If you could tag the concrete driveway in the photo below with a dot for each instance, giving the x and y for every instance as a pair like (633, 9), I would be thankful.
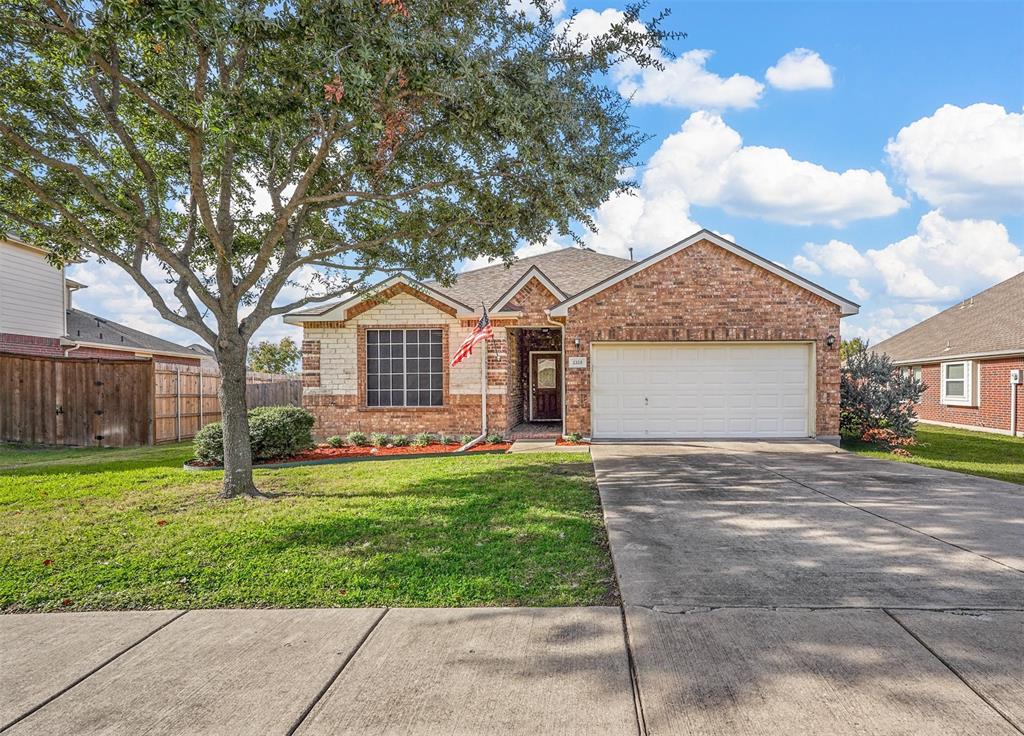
(793, 588)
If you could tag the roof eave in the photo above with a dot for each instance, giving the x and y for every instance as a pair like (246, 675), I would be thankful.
(847, 307)
(533, 272)
(976, 355)
(300, 318)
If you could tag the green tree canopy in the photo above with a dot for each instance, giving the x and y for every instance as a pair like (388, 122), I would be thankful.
(241, 159)
(275, 357)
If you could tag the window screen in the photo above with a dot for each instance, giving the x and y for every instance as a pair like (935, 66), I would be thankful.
(404, 368)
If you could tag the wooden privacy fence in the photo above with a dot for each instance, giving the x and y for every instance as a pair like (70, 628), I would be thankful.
(186, 397)
(117, 403)
(75, 401)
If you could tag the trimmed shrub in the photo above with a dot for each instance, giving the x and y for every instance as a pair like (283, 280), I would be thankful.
(466, 439)
(358, 439)
(279, 431)
(400, 440)
(208, 444)
(874, 395)
(494, 438)
(379, 439)
(422, 439)
(335, 440)
(574, 437)
(443, 439)
(274, 431)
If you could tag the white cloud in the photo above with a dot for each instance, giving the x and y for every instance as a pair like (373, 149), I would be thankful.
(113, 295)
(681, 82)
(858, 291)
(877, 325)
(967, 160)
(945, 259)
(806, 266)
(706, 163)
(589, 24)
(836, 257)
(529, 8)
(800, 69)
(686, 82)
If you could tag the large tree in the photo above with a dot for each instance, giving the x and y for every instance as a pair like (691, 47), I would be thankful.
(229, 153)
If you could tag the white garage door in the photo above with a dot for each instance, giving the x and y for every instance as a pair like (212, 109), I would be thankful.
(684, 390)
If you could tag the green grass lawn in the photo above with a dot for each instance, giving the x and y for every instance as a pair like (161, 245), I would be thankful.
(110, 529)
(976, 453)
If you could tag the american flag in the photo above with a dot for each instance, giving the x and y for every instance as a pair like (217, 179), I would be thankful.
(482, 331)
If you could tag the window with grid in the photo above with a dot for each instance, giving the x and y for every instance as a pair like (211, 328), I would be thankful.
(404, 368)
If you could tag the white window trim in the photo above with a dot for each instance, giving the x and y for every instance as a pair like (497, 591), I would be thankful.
(970, 378)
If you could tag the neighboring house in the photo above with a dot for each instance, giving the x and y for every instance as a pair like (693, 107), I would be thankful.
(703, 339)
(37, 316)
(206, 355)
(965, 357)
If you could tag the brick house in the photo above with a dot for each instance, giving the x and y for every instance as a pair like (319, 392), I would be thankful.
(37, 316)
(702, 339)
(966, 357)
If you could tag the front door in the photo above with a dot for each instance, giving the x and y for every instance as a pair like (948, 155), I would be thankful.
(545, 387)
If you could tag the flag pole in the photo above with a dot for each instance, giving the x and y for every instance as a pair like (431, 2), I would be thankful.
(483, 381)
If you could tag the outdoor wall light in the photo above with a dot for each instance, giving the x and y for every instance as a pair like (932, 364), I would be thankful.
(576, 342)
(830, 340)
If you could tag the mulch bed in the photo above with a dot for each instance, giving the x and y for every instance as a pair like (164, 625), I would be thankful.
(326, 452)
(564, 441)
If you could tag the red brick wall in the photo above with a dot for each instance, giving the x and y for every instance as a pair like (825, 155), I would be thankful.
(704, 293)
(30, 345)
(341, 414)
(50, 346)
(992, 410)
(532, 300)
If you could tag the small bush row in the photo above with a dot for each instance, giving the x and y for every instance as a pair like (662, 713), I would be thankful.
(382, 439)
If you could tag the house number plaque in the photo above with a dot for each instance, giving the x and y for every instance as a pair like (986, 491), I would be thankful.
(577, 362)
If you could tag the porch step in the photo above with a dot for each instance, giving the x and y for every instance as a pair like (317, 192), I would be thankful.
(538, 445)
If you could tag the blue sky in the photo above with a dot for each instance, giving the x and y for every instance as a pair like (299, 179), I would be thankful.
(883, 160)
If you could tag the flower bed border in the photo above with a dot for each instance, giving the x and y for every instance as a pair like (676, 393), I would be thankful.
(351, 459)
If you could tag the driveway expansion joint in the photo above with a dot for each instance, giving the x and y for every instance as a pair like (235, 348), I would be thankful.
(954, 671)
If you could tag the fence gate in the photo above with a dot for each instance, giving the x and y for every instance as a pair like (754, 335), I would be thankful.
(75, 401)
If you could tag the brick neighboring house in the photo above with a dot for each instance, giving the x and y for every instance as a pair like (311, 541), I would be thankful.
(703, 339)
(37, 317)
(965, 356)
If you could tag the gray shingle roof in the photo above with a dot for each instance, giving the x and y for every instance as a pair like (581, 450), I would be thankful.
(989, 322)
(570, 269)
(90, 328)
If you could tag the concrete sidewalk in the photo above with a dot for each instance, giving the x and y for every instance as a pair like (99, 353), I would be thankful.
(513, 671)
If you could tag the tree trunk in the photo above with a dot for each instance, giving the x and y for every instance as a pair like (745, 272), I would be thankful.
(235, 420)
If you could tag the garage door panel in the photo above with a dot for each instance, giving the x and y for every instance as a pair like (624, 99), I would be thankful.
(700, 390)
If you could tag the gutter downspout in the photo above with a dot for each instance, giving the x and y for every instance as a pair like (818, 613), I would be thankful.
(1013, 409)
(483, 401)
